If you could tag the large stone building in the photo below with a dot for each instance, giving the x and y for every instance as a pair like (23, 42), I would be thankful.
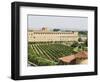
(45, 35)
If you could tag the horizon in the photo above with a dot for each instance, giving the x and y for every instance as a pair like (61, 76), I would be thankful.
(52, 30)
(36, 22)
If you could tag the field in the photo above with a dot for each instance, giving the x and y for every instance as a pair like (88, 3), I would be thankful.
(47, 54)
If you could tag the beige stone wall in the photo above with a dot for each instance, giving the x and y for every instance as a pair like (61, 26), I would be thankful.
(40, 36)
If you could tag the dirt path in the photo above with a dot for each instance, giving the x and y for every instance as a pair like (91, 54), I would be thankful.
(84, 61)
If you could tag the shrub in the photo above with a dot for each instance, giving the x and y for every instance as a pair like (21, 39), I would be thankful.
(75, 44)
(80, 39)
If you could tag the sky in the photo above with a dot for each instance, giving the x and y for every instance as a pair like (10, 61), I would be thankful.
(73, 23)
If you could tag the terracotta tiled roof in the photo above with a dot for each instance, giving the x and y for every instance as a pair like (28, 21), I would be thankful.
(82, 54)
(69, 58)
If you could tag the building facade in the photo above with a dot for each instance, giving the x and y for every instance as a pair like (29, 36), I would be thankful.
(45, 35)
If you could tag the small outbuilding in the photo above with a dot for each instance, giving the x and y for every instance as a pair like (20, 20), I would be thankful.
(75, 58)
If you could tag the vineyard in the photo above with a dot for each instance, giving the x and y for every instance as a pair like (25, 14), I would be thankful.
(47, 54)
(44, 54)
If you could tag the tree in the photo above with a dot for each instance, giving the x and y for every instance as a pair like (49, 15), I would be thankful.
(56, 29)
(80, 39)
(86, 42)
(82, 32)
(75, 44)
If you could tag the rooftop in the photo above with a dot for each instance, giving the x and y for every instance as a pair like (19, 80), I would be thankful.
(68, 59)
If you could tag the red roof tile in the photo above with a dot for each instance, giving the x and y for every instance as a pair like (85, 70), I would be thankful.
(69, 58)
